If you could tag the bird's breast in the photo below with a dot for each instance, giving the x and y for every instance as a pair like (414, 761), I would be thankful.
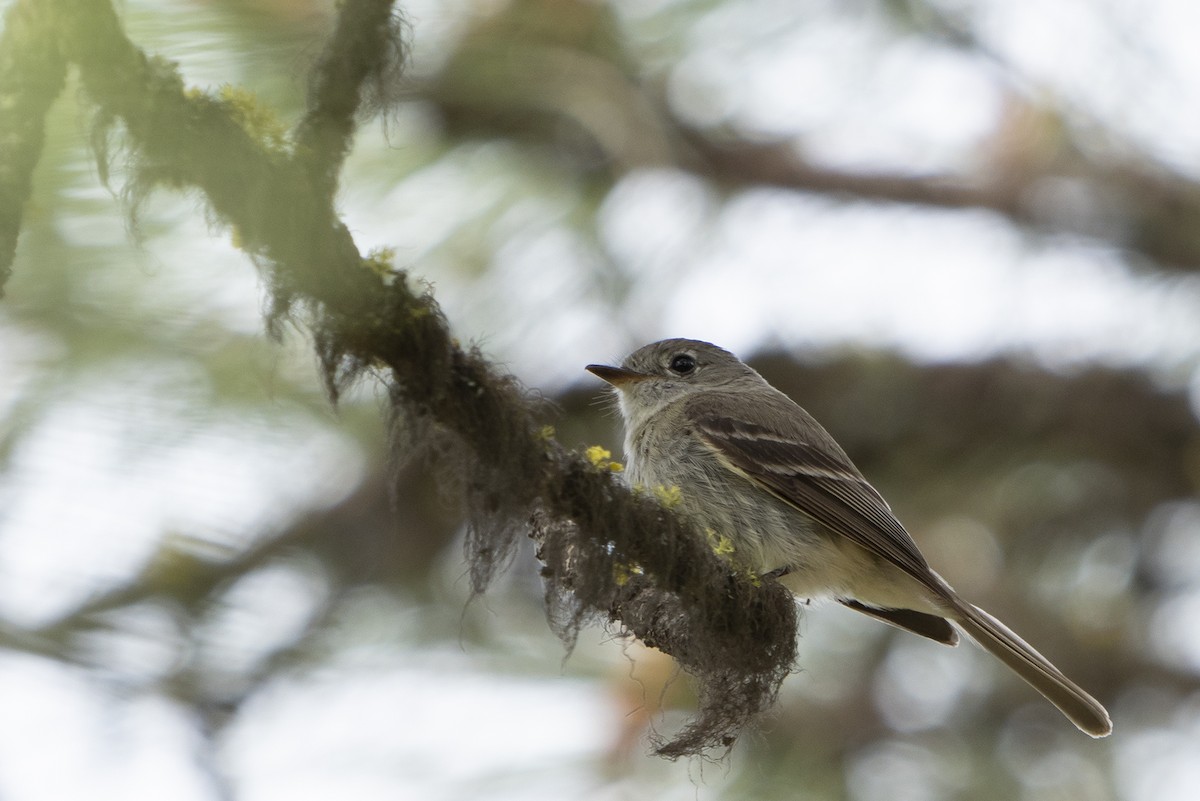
(763, 531)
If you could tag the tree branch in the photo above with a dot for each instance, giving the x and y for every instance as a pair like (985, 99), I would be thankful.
(32, 73)
(1157, 209)
(609, 120)
(735, 635)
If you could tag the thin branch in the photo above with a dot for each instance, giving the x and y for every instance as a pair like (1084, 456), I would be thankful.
(1157, 209)
(1034, 170)
(364, 54)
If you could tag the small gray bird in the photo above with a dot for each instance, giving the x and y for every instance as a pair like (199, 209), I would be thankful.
(757, 469)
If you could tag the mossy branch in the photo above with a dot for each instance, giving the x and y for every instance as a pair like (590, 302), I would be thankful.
(736, 636)
(32, 74)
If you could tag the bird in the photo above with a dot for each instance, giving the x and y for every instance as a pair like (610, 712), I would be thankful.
(753, 467)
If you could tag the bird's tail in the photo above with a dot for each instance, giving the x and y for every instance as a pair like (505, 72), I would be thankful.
(996, 638)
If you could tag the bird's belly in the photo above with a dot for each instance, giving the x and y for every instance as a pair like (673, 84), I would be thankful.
(765, 533)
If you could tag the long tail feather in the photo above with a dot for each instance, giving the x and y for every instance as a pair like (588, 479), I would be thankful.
(996, 638)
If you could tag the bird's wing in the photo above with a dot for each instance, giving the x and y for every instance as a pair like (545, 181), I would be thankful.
(789, 454)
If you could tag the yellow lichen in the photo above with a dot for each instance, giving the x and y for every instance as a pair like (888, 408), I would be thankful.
(669, 497)
(623, 572)
(720, 544)
(380, 261)
(256, 118)
(723, 547)
(601, 457)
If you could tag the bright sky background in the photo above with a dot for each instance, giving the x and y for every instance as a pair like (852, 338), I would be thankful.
(766, 269)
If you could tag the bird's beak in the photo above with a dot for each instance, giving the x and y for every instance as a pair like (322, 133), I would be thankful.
(617, 376)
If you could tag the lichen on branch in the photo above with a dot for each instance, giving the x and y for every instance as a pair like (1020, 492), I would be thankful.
(609, 555)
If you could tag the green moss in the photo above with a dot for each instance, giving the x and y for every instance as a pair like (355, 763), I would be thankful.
(255, 118)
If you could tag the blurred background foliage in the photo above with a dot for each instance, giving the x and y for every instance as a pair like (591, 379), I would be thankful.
(964, 235)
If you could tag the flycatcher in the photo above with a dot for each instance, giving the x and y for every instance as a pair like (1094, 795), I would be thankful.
(757, 469)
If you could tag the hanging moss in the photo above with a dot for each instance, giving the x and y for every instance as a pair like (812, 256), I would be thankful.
(609, 555)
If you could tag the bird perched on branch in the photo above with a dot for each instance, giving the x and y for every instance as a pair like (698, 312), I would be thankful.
(755, 469)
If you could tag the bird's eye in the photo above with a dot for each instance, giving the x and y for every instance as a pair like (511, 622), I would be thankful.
(683, 364)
